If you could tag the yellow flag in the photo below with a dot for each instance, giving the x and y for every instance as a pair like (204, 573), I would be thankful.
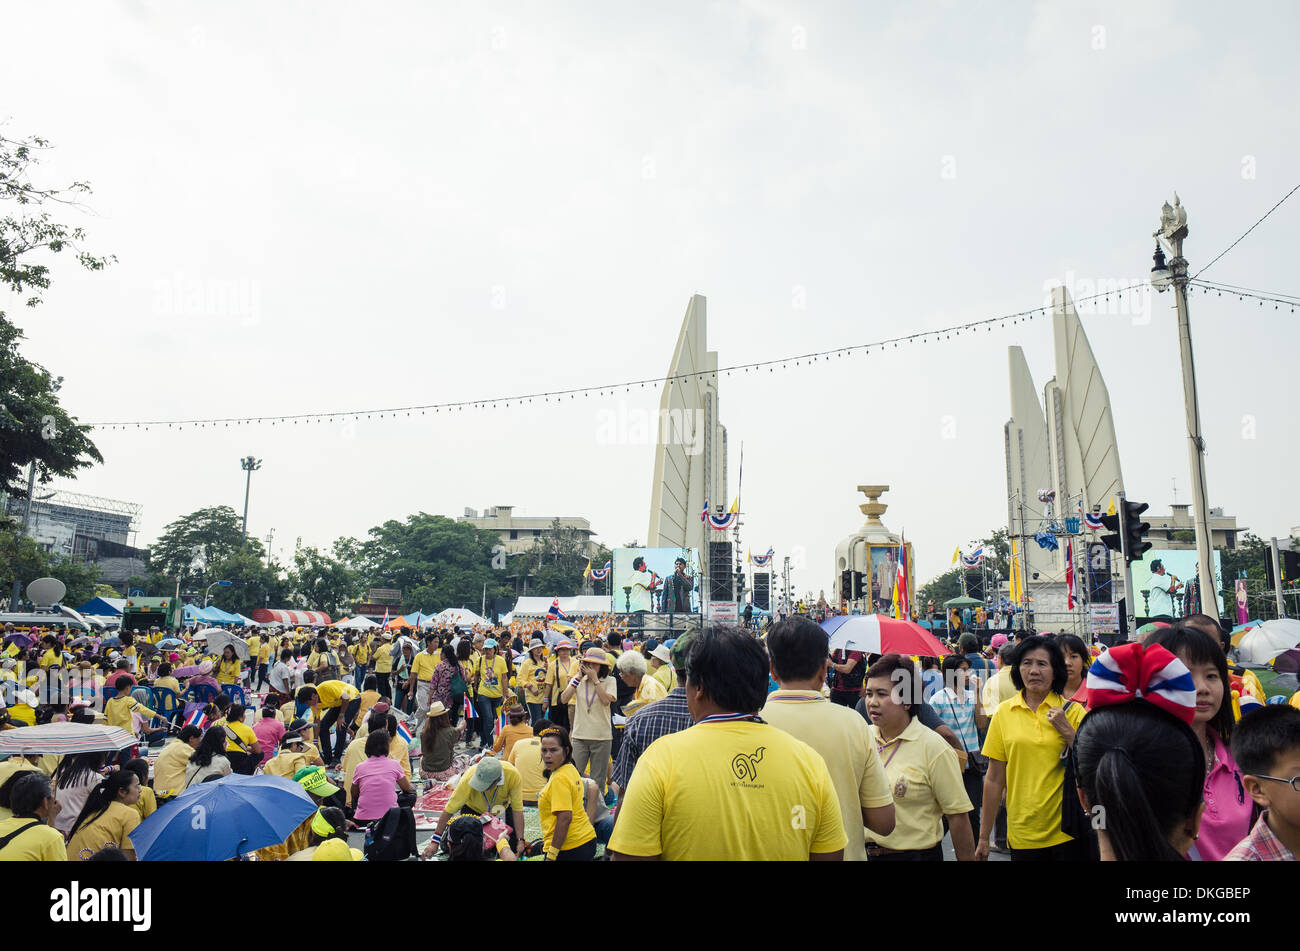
(1111, 510)
(1015, 574)
(956, 554)
(586, 572)
(735, 508)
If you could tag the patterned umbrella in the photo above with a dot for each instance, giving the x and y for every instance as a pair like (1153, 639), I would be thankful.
(878, 634)
(65, 738)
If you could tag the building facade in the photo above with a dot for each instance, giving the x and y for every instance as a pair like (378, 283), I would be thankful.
(517, 533)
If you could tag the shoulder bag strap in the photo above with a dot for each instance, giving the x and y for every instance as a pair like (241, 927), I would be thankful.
(17, 832)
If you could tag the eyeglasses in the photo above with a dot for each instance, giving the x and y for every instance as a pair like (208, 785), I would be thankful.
(1293, 782)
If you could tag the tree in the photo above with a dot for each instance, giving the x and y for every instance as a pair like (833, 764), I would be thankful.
(33, 426)
(1250, 557)
(997, 560)
(557, 559)
(253, 583)
(193, 542)
(435, 561)
(320, 581)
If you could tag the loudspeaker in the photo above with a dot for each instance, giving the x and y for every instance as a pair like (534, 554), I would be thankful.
(720, 580)
(763, 590)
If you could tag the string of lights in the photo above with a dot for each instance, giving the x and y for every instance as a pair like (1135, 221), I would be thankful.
(1233, 288)
(609, 389)
(1241, 294)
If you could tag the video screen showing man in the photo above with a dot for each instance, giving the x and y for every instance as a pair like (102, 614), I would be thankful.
(677, 589)
(1163, 588)
(645, 585)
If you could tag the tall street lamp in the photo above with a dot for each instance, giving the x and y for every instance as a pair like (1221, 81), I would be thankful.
(1173, 229)
(249, 465)
(215, 584)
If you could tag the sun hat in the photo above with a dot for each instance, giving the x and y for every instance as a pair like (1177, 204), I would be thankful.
(490, 642)
(314, 780)
(564, 645)
(320, 825)
(205, 667)
(333, 850)
(436, 709)
(535, 643)
(486, 774)
(662, 653)
(595, 655)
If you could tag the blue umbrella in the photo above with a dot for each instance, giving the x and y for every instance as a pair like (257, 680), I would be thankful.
(223, 819)
(113, 641)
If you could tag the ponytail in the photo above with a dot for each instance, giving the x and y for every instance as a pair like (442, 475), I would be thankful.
(1146, 771)
(101, 797)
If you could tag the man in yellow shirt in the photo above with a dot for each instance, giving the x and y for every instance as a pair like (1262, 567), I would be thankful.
(797, 647)
(730, 788)
(489, 787)
(340, 702)
(383, 656)
(422, 667)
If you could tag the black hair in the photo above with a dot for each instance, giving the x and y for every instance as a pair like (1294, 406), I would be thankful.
(24, 793)
(286, 654)
(123, 683)
(371, 682)
(540, 725)
(222, 702)
(72, 770)
(1264, 735)
(164, 669)
(109, 853)
(1073, 644)
(213, 745)
(378, 743)
(376, 721)
(798, 648)
(464, 838)
(272, 702)
(464, 649)
(1055, 655)
(730, 667)
(954, 662)
(1146, 770)
(561, 736)
(140, 767)
(907, 684)
(103, 796)
(306, 694)
(1194, 646)
(236, 713)
(638, 563)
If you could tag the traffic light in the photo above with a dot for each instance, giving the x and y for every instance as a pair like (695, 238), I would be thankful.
(1136, 530)
(1113, 541)
(846, 585)
(857, 585)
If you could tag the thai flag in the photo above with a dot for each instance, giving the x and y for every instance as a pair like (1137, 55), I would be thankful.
(403, 732)
(554, 612)
(1093, 522)
(503, 720)
(974, 559)
(470, 712)
(198, 718)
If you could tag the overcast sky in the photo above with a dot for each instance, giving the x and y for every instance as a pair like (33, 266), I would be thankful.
(319, 207)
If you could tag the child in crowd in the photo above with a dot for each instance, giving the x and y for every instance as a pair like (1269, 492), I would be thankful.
(1266, 746)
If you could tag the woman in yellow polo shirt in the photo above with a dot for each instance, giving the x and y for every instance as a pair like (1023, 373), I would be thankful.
(108, 818)
(229, 668)
(1026, 741)
(921, 767)
(567, 833)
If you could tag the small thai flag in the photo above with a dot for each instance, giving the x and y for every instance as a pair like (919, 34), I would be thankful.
(198, 718)
(503, 720)
(470, 712)
(554, 611)
(403, 732)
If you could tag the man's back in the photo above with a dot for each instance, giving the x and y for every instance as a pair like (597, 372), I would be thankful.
(843, 740)
(733, 790)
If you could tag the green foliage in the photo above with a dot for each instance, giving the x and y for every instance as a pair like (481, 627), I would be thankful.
(557, 559)
(1249, 556)
(24, 560)
(939, 589)
(320, 581)
(190, 547)
(254, 583)
(33, 426)
(997, 558)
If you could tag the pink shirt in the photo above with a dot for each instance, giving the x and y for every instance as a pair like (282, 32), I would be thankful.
(377, 780)
(269, 732)
(1228, 809)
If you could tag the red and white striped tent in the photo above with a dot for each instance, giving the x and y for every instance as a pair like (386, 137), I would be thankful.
(291, 618)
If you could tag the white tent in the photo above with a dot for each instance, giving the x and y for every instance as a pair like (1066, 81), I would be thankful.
(460, 617)
(358, 623)
(572, 607)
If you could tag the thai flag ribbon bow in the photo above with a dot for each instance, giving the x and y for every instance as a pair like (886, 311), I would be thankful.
(1142, 672)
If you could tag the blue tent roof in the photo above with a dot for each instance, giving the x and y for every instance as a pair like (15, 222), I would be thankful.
(103, 606)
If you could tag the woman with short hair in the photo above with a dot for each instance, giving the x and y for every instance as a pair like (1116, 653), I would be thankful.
(1026, 746)
(1077, 661)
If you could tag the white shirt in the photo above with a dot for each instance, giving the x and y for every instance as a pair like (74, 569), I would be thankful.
(1160, 600)
(282, 677)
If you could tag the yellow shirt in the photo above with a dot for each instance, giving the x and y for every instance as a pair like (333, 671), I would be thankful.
(508, 792)
(353, 757)
(423, 664)
(665, 675)
(228, 671)
(169, 683)
(527, 758)
(368, 699)
(558, 676)
(118, 712)
(40, 843)
(333, 693)
(254, 645)
(1031, 747)
(564, 793)
(147, 804)
(843, 739)
(730, 791)
(361, 653)
(925, 776)
(400, 752)
(111, 827)
(507, 738)
(245, 734)
(533, 684)
(998, 689)
(492, 675)
(383, 659)
(169, 768)
(51, 658)
(286, 764)
(648, 691)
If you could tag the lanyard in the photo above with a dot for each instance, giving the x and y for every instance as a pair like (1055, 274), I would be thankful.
(881, 747)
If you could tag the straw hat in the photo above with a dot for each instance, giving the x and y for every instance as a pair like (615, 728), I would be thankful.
(595, 655)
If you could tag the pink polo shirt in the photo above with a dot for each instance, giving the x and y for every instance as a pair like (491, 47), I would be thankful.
(1228, 809)
(269, 732)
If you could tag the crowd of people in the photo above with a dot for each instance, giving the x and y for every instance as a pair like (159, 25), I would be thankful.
(719, 743)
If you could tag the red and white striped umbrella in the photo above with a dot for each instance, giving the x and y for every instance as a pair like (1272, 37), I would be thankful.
(64, 738)
(878, 634)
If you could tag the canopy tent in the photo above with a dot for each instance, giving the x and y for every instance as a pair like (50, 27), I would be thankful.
(399, 623)
(572, 607)
(962, 602)
(358, 623)
(457, 617)
(291, 618)
(246, 620)
(210, 615)
(103, 607)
